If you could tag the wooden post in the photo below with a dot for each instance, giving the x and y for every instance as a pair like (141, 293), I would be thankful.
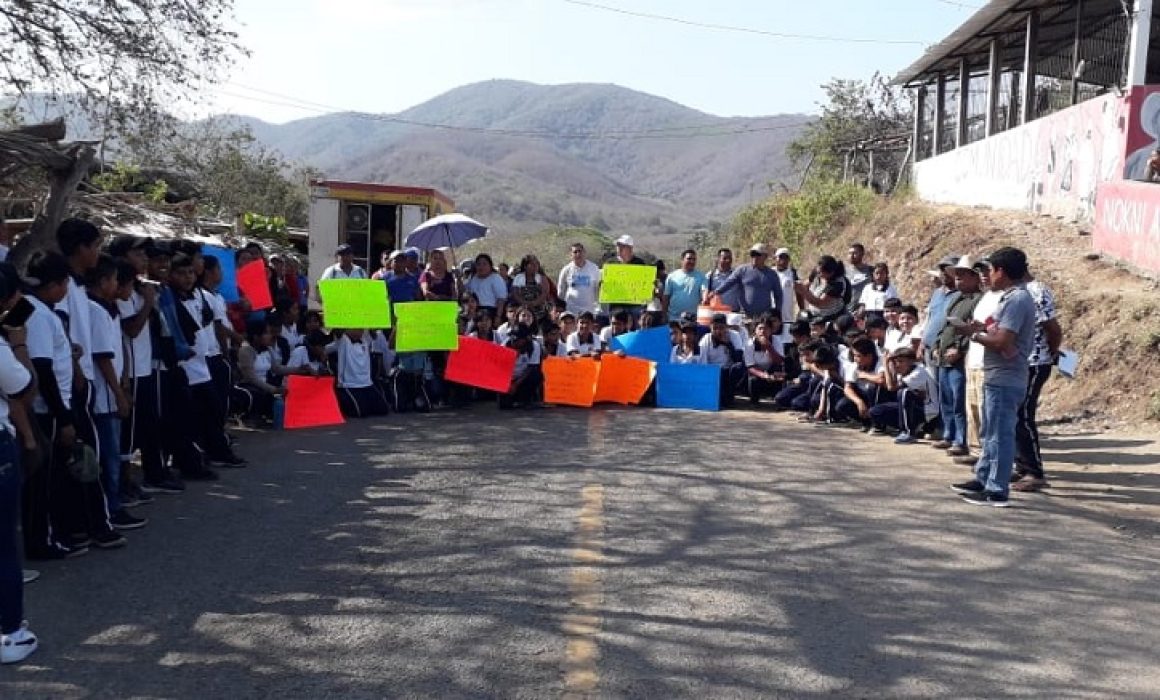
(993, 75)
(919, 116)
(1030, 59)
(940, 113)
(963, 105)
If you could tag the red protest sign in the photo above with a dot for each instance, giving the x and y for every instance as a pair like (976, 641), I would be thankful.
(481, 363)
(311, 403)
(255, 285)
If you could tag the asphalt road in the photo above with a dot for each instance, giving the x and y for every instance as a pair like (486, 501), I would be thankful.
(603, 553)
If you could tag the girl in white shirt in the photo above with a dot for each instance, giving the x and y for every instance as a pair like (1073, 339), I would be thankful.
(358, 396)
(875, 294)
(686, 351)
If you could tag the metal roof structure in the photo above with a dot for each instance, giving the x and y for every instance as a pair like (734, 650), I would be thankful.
(1102, 29)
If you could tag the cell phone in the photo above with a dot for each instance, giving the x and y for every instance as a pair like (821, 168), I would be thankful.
(18, 315)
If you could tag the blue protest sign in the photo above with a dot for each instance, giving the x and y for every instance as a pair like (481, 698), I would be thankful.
(697, 387)
(650, 344)
(229, 285)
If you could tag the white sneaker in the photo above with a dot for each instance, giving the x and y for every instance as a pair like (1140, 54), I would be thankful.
(18, 646)
(30, 575)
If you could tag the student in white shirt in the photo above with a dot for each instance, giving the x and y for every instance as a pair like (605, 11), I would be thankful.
(551, 342)
(687, 351)
(310, 357)
(765, 359)
(725, 348)
(483, 328)
(222, 337)
(584, 342)
(906, 335)
(875, 294)
(620, 323)
(195, 313)
(527, 376)
(358, 395)
(259, 366)
(865, 380)
(916, 401)
(110, 403)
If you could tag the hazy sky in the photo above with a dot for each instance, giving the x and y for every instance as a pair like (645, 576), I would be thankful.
(387, 55)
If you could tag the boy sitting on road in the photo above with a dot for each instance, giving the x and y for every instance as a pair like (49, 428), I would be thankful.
(916, 402)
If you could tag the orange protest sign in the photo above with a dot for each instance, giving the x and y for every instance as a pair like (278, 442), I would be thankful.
(623, 380)
(570, 382)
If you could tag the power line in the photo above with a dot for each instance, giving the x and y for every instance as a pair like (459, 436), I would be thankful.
(612, 135)
(744, 30)
(962, 5)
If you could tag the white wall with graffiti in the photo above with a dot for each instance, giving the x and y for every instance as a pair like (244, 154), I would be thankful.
(1051, 166)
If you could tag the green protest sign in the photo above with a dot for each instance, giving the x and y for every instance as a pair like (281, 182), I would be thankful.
(350, 303)
(427, 325)
(627, 284)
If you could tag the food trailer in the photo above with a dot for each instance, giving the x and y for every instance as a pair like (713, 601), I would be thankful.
(370, 217)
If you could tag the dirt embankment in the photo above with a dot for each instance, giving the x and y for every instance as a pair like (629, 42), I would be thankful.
(1109, 315)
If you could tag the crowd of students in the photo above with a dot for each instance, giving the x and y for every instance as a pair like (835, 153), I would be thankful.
(122, 363)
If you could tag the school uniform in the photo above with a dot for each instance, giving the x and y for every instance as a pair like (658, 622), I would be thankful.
(141, 430)
(358, 396)
(527, 377)
(729, 356)
(915, 404)
(767, 359)
(219, 366)
(256, 368)
(108, 344)
(843, 409)
(576, 345)
(205, 409)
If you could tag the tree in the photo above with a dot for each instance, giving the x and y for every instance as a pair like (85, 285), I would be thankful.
(859, 118)
(122, 60)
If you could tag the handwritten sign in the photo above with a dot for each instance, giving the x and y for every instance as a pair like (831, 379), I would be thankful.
(229, 264)
(426, 325)
(650, 344)
(311, 403)
(623, 380)
(695, 387)
(481, 363)
(570, 382)
(254, 284)
(627, 284)
(353, 303)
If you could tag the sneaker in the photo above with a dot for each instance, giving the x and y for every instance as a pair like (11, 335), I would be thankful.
(1017, 476)
(1029, 484)
(230, 461)
(972, 486)
(877, 430)
(958, 451)
(143, 499)
(56, 552)
(109, 540)
(941, 445)
(123, 520)
(129, 500)
(986, 498)
(170, 486)
(905, 438)
(30, 575)
(966, 460)
(18, 646)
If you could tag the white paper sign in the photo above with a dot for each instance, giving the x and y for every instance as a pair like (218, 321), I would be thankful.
(1068, 363)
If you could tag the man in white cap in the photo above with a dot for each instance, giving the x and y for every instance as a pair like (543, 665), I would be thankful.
(948, 353)
(625, 256)
(760, 285)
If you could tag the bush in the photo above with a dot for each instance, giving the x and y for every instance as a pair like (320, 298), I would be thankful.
(785, 220)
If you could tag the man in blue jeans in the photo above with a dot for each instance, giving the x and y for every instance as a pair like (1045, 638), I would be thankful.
(1006, 336)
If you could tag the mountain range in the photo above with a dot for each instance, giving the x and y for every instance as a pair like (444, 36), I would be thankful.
(522, 156)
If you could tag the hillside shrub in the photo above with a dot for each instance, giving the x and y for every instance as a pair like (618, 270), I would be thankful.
(786, 219)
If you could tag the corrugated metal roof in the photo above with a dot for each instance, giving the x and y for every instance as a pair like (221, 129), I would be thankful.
(1005, 20)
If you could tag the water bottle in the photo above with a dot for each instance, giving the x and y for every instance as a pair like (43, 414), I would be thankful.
(279, 412)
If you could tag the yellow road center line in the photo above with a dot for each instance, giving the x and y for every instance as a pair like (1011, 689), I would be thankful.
(581, 626)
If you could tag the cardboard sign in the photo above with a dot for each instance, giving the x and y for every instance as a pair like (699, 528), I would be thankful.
(623, 380)
(353, 303)
(229, 264)
(570, 382)
(650, 344)
(627, 284)
(311, 403)
(254, 284)
(697, 387)
(427, 325)
(481, 363)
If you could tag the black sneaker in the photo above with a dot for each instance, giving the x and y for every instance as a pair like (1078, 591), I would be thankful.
(1018, 476)
(129, 499)
(143, 499)
(986, 498)
(231, 461)
(55, 552)
(123, 520)
(170, 486)
(972, 486)
(109, 540)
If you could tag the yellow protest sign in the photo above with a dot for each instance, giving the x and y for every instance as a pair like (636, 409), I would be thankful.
(570, 382)
(426, 325)
(627, 284)
(350, 303)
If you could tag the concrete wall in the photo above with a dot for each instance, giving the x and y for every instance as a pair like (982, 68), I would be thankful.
(1127, 223)
(1051, 166)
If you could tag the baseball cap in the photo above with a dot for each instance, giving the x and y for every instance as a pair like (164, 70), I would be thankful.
(412, 252)
(780, 252)
(344, 249)
(625, 240)
(759, 249)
